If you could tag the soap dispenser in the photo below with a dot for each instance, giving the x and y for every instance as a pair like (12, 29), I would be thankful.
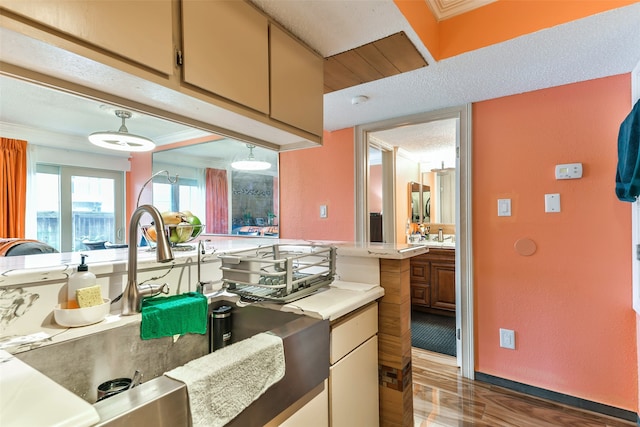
(82, 278)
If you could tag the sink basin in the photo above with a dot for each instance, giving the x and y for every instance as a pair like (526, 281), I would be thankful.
(80, 365)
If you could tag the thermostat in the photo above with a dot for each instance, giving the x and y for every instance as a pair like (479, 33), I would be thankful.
(569, 171)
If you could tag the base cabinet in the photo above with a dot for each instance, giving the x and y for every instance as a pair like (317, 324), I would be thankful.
(353, 385)
(311, 410)
(353, 374)
(433, 281)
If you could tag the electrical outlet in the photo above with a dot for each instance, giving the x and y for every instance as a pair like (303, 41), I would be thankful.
(507, 339)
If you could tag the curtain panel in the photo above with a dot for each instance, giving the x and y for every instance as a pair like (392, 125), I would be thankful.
(13, 187)
(217, 201)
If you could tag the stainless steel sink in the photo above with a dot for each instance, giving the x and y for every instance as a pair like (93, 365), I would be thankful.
(80, 365)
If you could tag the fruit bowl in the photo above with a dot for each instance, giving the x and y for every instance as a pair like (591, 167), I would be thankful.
(176, 233)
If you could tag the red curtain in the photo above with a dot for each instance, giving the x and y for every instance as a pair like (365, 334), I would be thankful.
(13, 187)
(217, 208)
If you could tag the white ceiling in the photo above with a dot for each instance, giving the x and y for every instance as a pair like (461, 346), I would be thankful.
(598, 46)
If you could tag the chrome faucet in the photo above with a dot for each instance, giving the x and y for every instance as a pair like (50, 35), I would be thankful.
(134, 293)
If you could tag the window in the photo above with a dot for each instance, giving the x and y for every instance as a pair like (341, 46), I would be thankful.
(177, 198)
(78, 205)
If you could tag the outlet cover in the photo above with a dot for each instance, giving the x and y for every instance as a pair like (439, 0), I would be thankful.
(507, 339)
(323, 211)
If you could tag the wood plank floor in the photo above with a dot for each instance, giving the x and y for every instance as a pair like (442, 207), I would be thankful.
(442, 398)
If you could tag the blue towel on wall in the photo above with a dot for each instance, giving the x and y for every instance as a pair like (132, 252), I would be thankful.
(628, 172)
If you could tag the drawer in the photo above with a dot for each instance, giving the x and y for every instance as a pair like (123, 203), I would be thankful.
(346, 335)
(420, 272)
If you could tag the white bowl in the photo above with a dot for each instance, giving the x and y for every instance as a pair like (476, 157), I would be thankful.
(74, 317)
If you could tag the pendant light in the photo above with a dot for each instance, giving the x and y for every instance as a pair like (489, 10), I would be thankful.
(121, 140)
(251, 164)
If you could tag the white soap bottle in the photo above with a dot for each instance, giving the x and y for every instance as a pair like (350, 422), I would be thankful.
(82, 278)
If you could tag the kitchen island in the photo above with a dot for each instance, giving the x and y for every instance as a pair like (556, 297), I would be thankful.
(364, 274)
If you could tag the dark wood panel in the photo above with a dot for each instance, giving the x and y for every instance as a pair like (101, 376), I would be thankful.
(398, 49)
(359, 66)
(386, 57)
(337, 76)
(377, 60)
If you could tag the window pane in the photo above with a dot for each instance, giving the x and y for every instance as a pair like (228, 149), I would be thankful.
(93, 213)
(48, 208)
(162, 197)
(190, 200)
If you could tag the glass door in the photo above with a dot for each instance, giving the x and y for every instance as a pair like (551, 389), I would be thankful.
(79, 209)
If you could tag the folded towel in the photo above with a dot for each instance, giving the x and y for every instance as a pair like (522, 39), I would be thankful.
(174, 315)
(223, 383)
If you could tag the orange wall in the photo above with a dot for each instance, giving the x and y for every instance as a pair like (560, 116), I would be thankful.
(570, 302)
(508, 19)
(319, 176)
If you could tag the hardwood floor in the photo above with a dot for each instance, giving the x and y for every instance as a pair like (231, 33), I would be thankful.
(442, 398)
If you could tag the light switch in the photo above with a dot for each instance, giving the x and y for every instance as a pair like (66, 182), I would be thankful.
(323, 211)
(504, 207)
(552, 202)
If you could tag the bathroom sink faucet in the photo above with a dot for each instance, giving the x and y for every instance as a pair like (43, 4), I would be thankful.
(134, 293)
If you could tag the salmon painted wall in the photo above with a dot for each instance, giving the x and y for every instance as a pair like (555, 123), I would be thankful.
(570, 303)
(319, 176)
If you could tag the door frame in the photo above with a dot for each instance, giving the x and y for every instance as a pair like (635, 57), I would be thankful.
(464, 249)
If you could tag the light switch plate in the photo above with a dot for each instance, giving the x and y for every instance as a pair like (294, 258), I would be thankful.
(552, 202)
(323, 211)
(504, 207)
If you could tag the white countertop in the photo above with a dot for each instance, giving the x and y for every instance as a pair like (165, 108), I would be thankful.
(331, 302)
(58, 266)
(29, 398)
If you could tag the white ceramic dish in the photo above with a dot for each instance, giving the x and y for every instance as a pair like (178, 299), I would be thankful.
(76, 317)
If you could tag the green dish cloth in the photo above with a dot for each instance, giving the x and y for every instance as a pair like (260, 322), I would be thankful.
(174, 315)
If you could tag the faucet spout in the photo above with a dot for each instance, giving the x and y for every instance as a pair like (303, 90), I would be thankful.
(133, 294)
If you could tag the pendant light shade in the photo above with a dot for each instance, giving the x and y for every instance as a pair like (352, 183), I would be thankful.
(121, 140)
(250, 164)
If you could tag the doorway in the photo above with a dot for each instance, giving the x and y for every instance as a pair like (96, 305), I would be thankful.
(463, 266)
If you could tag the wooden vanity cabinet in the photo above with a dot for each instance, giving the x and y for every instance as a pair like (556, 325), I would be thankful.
(433, 281)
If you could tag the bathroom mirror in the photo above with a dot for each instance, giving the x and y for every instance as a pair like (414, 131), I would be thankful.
(226, 199)
(420, 202)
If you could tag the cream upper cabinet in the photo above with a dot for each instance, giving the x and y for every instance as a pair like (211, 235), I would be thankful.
(140, 31)
(226, 51)
(297, 83)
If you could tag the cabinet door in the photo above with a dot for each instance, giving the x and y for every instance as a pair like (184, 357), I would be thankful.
(141, 31)
(297, 83)
(353, 387)
(314, 413)
(420, 295)
(443, 285)
(420, 272)
(226, 50)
